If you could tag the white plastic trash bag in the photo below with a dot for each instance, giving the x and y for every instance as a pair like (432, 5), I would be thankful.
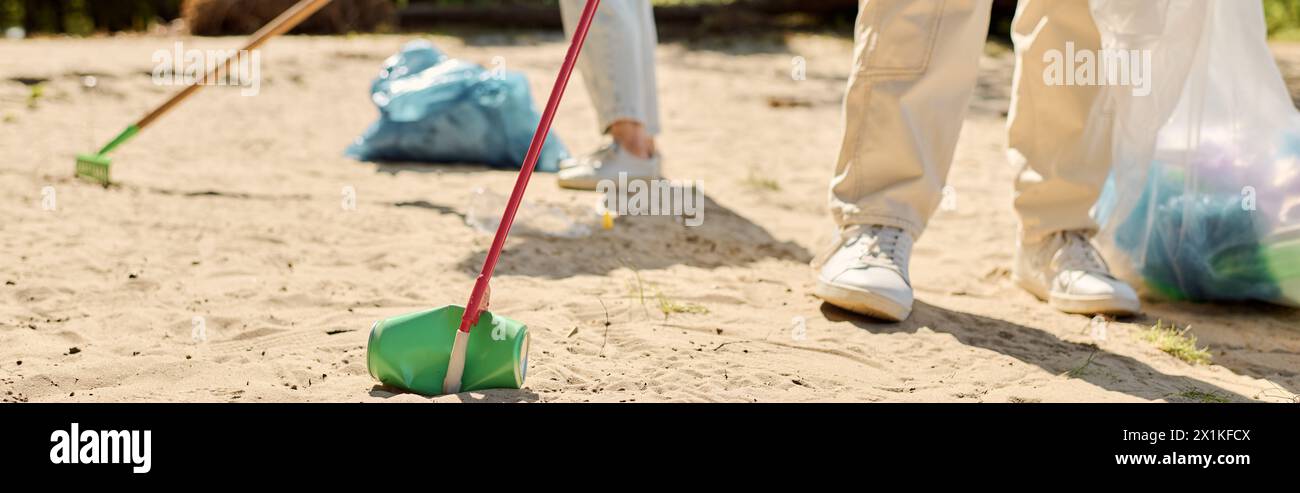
(1203, 202)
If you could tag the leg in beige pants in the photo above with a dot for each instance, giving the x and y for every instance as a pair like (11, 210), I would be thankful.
(915, 68)
(1060, 146)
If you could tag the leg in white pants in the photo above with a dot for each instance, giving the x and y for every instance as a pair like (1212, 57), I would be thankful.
(618, 67)
(618, 61)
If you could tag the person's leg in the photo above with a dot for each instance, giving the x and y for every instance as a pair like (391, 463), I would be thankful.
(1061, 142)
(637, 133)
(914, 70)
(617, 66)
(1061, 149)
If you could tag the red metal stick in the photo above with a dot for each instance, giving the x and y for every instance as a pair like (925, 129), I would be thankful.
(475, 306)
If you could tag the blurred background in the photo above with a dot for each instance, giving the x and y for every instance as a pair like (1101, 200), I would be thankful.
(677, 18)
(216, 17)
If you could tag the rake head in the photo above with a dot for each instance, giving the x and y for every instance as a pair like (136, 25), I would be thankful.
(94, 167)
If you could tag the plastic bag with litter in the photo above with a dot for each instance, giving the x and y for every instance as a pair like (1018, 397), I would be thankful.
(437, 109)
(1203, 202)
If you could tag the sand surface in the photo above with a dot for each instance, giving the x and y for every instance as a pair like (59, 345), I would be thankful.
(230, 209)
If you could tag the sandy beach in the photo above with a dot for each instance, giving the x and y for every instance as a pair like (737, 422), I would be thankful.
(229, 215)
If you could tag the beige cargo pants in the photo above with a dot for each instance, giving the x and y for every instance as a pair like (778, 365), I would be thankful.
(914, 70)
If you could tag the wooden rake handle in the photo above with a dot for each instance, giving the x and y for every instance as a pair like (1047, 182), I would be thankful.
(283, 23)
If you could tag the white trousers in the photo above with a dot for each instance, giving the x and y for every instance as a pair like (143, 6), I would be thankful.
(618, 60)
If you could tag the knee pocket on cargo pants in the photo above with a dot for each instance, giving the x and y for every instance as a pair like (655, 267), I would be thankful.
(897, 37)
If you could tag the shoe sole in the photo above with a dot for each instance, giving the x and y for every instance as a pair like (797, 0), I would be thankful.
(588, 184)
(583, 184)
(862, 302)
(1082, 305)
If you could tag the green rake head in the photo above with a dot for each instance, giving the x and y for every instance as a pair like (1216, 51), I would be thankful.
(94, 167)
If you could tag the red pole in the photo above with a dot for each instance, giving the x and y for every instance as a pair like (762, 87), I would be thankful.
(475, 306)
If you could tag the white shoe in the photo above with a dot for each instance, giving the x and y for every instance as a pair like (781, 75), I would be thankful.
(868, 273)
(1067, 272)
(583, 173)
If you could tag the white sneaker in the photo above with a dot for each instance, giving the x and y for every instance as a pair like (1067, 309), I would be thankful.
(868, 273)
(1067, 272)
(583, 173)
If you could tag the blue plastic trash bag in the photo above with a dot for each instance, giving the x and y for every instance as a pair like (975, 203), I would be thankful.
(442, 110)
(1203, 201)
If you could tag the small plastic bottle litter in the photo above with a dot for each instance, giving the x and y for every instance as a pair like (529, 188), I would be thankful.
(536, 219)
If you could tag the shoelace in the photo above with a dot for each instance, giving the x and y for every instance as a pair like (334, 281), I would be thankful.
(883, 246)
(597, 159)
(1077, 254)
(594, 159)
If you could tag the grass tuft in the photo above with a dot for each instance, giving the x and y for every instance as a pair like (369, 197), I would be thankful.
(670, 306)
(1202, 396)
(1081, 370)
(1177, 343)
(37, 91)
(758, 181)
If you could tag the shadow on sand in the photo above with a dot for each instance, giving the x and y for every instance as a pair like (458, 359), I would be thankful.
(1254, 339)
(1107, 370)
(484, 396)
(724, 239)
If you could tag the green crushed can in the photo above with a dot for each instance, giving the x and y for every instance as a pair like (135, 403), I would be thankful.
(411, 351)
